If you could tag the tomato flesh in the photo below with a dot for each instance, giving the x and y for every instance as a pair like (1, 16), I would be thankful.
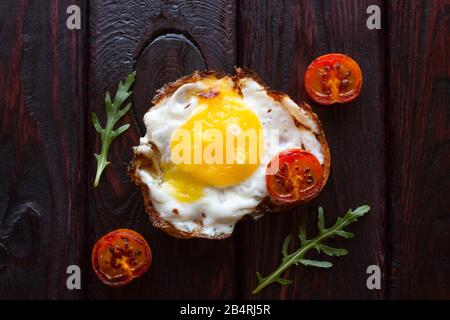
(294, 175)
(333, 78)
(120, 256)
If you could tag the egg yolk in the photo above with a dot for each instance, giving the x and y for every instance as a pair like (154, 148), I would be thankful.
(219, 145)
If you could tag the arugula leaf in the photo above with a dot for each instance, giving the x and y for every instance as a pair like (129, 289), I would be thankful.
(297, 257)
(113, 113)
(331, 251)
(315, 263)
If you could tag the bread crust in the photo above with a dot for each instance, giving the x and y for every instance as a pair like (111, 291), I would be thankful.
(267, 205)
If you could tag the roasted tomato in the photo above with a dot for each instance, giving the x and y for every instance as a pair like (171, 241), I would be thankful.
(294, 175)
(333, 78)
(120, 256)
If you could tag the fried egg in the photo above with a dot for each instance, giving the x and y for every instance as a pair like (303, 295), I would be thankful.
(208, 141)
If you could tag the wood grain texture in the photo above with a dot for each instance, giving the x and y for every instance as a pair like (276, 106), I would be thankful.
(42, 103)
(163, 40)
(278, 39)
(390, 147)
(165, 59)
(419, 149)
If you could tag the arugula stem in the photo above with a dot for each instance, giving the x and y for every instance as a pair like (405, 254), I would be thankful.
(101, 165)
(295, 257)
(113, 112)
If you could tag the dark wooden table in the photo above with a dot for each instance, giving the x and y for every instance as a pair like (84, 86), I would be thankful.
(390, 148)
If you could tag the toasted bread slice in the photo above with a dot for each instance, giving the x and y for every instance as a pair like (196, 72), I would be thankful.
(150, 160)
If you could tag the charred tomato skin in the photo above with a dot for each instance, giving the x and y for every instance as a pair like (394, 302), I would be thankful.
(120, 256)
(333, 78)
(294, 176)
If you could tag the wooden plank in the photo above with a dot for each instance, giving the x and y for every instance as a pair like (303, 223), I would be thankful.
(278, 39)
(419, 149)
(42, 105)
(163, 40)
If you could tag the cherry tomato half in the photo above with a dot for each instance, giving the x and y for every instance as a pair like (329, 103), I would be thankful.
(294, 175)
(120, 256)
(333, 78)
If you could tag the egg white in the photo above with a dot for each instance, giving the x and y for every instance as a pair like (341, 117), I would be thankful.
(220, 208)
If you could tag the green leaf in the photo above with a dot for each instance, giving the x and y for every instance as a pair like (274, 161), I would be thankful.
(360, 211)
(114, 114)
(302, 229)
(344, 234)
(121, 129)
(297, 257)
(108, 103)
(320, 221)
(97, 125)
(124, 110)
(285, 246)
(331, 251)
(283, 282)
(316, 263)
(259, 276)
